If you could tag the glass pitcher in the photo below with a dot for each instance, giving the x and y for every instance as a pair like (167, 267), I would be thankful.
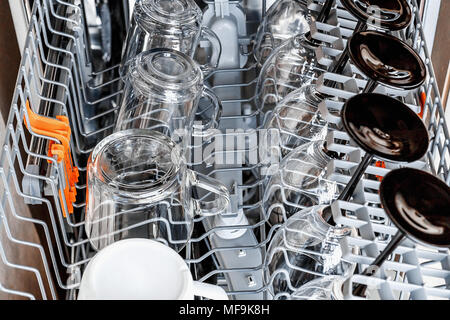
(139, 187)
(162, 92)
(171, 24)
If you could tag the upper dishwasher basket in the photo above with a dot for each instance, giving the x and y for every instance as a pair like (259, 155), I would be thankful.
(59, 75)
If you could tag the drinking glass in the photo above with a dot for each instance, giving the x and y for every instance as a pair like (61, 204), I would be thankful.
(297, 119)
(142, 269)
(324, 288)
(425, 219)
(299, 182)
(162, 92)
(380, 125)
(284, 19)
(383, 58)
(139, 187)
(304, 248)
(293, 63)
(171, 24)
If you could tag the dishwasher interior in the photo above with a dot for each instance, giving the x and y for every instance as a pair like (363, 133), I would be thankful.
(70, 72)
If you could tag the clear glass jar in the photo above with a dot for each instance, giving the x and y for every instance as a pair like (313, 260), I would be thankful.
(304, 248)
(171, 24)
(139, 187)
(162, 91)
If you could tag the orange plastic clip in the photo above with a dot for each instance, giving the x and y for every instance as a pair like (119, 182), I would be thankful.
(423, 100)
(59, 129)
(380, 164)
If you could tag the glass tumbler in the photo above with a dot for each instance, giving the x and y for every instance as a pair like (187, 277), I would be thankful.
(162, 92)
(171, 24)
(139, 187)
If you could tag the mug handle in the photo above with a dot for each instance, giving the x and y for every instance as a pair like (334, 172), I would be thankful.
(206, 34)
(209, 208)
(209, 291)
(210, 128)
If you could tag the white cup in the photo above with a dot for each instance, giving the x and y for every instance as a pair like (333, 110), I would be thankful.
(142, 269)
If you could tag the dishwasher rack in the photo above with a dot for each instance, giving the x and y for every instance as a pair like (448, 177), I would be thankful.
(56, 78)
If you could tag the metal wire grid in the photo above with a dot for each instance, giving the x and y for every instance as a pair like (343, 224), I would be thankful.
(77, 259)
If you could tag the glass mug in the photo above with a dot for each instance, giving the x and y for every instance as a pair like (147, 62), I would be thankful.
(171, 24)
(139, 187)
(162, 92)
(142, 269)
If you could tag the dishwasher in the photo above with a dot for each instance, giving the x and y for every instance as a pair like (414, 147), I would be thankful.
(69, 80)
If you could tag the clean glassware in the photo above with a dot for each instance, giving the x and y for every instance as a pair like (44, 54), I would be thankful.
(383, 58)
(297, 120)
(324, 288)
(380, 125)
(299, 182)
(171, 24)
(383, 127)
(139, 187)
(162, 92)
(142, 269)
(425, 219)
(392, 15)
(304, 248)
(293, 63)
(284, 19)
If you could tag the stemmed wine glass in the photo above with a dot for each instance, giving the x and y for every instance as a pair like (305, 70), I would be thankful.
(383, 127)
(418, 204)
(384, 59)
(423, 219)
(284, 19)
(325, 288)
(384, 66)
(293, 63)
(304, 248)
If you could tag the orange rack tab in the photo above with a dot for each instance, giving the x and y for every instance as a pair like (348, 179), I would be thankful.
(59, 129)
(423, 100)
(380, 164)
